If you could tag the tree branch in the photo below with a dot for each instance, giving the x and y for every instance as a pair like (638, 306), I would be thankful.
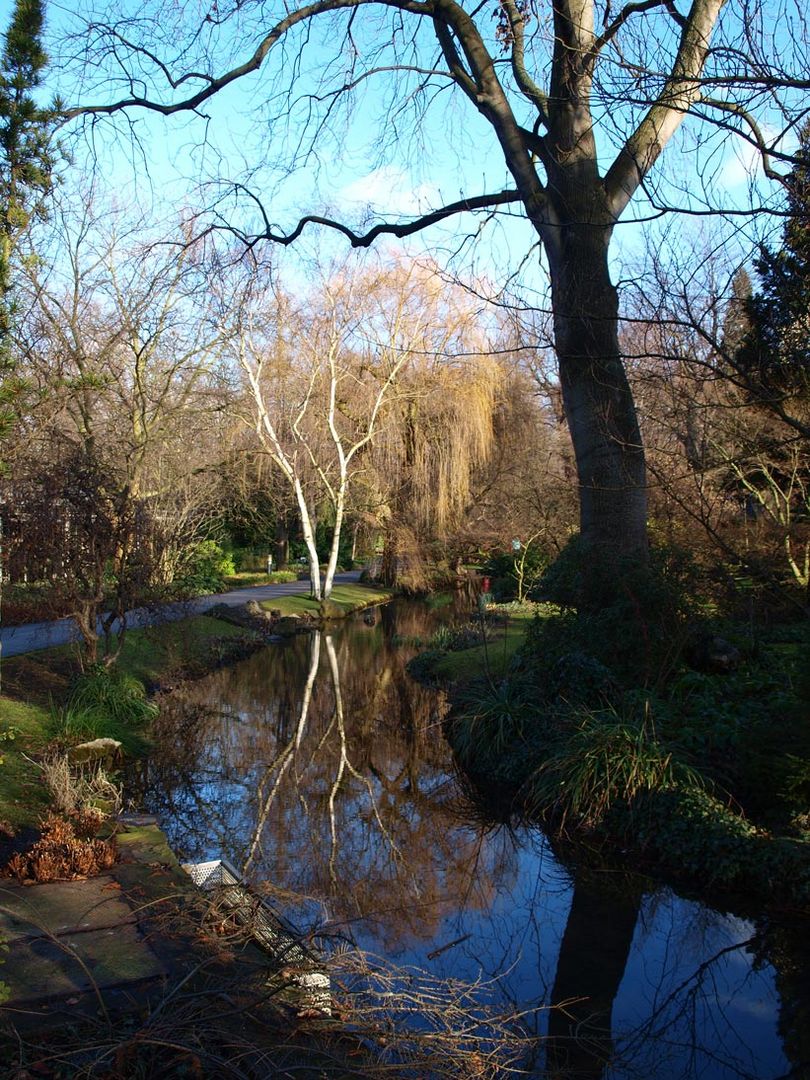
(527, 85)
(665, 115)
(454, 61)
(753, 127)
(401, 230)
(611, 31)
(214, 85)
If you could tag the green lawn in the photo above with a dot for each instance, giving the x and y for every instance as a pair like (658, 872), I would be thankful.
(37, 683)
(23, 729)
(493, 658)
(148, 654)
(157, 651)
(345, 598)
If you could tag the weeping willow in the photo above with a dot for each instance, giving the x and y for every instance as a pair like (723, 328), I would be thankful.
(454, 439)
(442, 435)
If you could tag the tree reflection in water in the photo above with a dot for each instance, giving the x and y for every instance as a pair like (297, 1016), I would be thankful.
(600, 925)
(319, 766)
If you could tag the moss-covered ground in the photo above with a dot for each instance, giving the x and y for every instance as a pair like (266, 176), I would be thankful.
(24, 729)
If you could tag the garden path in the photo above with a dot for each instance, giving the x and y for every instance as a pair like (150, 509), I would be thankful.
(45, 635)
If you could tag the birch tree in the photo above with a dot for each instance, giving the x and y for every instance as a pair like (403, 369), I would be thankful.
(320, 377)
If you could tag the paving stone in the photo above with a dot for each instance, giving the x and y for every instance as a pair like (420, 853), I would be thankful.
(128, 934)
(60, 906)
(39, 969)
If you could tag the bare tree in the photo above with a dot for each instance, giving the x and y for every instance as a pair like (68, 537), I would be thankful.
(531, 460)
(121, 362)
(322, 376)
(578, 99)
(723, 454)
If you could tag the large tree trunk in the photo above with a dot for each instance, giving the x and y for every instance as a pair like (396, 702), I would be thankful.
(598, 402)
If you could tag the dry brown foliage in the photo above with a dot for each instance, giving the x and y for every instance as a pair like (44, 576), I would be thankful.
(75, 788)
(65, 851)
(87, 822)
(237, 1016)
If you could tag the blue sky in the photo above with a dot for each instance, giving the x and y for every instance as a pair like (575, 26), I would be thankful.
(361, 172)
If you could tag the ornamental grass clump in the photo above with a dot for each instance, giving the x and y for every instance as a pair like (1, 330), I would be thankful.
(104, 692)
(74, 789)
(73, 725)
(491, 726)
(105, 703)
(457, 636)
(604, 761)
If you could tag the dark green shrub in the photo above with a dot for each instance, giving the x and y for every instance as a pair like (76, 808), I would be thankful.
(562, 583)
(581, 680)
(670, 581)
(205, 569)
(696, 835)
(635, 625)
(505, 569)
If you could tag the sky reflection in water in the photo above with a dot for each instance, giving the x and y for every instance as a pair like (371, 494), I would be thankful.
(320, 767)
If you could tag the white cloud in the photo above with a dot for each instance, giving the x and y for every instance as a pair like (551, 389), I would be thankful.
(388, 190)
(741, 165)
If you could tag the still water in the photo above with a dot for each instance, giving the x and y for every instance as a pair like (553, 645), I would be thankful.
(318, 766)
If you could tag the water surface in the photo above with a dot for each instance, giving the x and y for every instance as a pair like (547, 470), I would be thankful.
(320, 767)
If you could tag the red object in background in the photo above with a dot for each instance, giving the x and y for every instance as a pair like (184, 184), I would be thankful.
(486, 585)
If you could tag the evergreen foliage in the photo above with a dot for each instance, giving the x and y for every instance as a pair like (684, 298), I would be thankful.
(775, 353)
(26, 157)
(206, 569)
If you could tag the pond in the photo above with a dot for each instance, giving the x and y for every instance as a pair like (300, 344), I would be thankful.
(319, 767)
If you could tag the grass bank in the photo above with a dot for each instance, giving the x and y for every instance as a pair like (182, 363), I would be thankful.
(684, 749)
(35, 711)
(24, 730)
(38, 710)
(344, 600)
(460, 654)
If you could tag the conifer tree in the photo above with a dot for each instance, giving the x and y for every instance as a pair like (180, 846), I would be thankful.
(26, 159)
(775, 355)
